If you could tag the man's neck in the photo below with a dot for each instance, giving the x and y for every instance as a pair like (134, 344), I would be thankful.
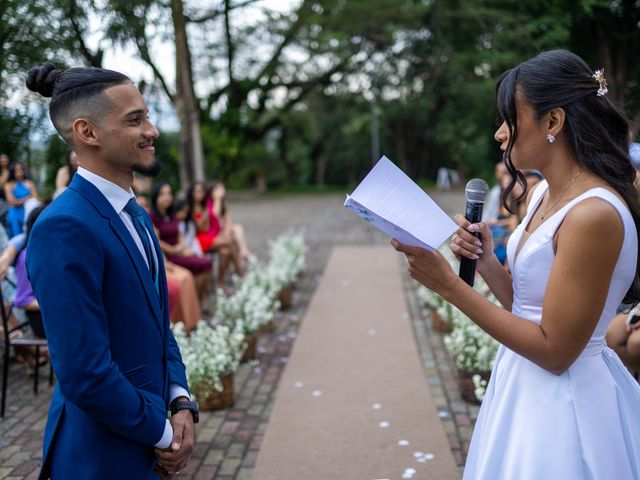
(124, 179)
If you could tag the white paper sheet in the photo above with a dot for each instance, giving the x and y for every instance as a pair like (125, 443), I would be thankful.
(388, 199)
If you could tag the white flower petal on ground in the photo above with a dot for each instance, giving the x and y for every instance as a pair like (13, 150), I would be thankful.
(403, 443)
(429, 456)
(298, 384)
(376, 406)
(418, 454)
(316, 393)
(408, 473)
(384, 424)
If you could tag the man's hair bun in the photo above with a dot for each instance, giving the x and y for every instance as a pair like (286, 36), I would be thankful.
(41, 79)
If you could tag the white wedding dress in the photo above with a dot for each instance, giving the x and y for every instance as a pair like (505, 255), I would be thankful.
(583, 424)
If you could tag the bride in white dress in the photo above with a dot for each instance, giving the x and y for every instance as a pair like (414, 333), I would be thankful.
(560, 404)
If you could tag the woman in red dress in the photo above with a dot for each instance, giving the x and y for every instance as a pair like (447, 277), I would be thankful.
(211, 236)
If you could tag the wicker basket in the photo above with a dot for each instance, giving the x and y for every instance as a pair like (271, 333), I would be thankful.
(220, 400)
(268, 327)
(251, 352)
(286, 297)
(466, 385)
(438, 324)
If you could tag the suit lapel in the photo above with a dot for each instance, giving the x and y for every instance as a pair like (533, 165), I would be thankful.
(95, 197)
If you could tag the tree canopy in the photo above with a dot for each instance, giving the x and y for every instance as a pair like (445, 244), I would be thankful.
(307, 95)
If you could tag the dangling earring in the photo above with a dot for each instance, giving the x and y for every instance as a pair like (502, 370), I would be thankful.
(551, 137)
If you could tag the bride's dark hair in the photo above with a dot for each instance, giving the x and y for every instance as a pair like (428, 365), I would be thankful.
(595, 129)
(74, 92)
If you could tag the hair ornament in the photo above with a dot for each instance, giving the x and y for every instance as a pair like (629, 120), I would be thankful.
(602, 81)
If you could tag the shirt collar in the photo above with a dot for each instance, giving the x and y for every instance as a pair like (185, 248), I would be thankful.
(115, 195)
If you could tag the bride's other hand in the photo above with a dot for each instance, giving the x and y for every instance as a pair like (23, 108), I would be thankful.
(465, 244)
(431, 269)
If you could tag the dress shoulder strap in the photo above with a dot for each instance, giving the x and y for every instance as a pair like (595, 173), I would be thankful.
(607, 196)
(538, 192)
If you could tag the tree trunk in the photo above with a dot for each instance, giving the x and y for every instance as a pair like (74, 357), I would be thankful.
(191, 154)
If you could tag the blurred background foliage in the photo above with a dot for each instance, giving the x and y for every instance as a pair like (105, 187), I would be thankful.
(309, 96)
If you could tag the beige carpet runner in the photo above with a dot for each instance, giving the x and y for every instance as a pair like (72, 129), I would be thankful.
(353, 402)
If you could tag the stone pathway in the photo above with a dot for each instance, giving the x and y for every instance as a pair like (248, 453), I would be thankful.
(229, 441)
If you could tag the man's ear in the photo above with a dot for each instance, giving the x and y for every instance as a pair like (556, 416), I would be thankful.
(85, 132)
(555, 120)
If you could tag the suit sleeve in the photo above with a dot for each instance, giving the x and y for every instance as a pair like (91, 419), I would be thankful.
(65, 263)
(175, 366)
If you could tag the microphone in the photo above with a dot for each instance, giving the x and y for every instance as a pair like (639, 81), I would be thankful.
(475, 191)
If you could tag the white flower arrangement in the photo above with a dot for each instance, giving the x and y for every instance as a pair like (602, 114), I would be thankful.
(480, 387)
(209, 353)
(287, 259)
(251, 306)
(474, 350)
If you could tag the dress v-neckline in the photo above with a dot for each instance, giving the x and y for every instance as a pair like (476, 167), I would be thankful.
(525, 236)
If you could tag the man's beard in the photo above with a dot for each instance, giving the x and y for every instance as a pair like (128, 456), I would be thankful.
(149, 170)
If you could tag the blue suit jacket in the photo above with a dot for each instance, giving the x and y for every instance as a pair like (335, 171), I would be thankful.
(109, 340)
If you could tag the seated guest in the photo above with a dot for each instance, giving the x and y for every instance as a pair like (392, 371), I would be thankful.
(624, 339)
(66, 173)
(171, 240)
(218, 202)
(25, 298)
(184, 305)
(10, 249)
(209, 232)
(187, 226)
(19, 190)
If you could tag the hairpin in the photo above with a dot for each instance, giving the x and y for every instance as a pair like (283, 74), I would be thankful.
(599, 77)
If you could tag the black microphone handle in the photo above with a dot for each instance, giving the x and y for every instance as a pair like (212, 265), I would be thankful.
(467, 271)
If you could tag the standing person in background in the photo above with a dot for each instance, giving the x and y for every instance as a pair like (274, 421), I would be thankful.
(98, 274)
(4, 174)
(171, 240)
(18, 191)
(65, 173)
(559, 404)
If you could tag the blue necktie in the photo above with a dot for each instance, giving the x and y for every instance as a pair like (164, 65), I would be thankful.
(137, 216)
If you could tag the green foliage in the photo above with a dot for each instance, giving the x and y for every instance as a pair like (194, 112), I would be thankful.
(289, 97)
(55, 156)
(166, 146)
(14, 131)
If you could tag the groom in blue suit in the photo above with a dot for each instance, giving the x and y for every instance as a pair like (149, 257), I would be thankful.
(98, 274)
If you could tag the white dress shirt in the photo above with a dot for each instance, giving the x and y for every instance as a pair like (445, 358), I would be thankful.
(118, 198)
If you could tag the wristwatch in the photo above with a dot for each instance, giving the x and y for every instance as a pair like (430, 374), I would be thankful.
(186, 405)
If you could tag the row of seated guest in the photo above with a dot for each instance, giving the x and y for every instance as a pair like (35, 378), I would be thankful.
(172, 241)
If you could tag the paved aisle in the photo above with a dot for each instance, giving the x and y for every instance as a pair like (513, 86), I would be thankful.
(354, 386)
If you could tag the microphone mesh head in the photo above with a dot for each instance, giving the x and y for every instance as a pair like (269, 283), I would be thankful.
(476, 190)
